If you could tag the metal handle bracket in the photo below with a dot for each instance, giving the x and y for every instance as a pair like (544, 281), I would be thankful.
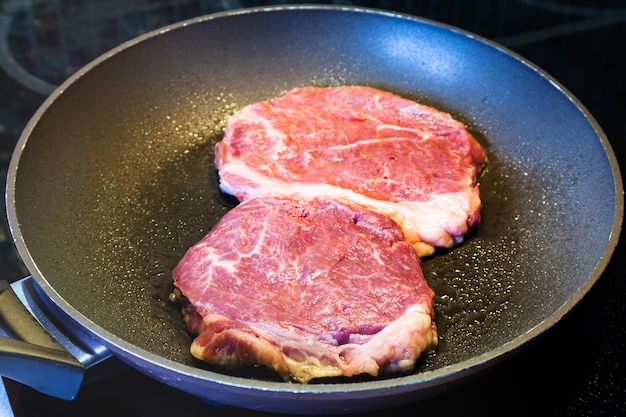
(37, 348)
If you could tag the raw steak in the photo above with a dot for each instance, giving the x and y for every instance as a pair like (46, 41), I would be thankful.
(405, 160)
(310, 289)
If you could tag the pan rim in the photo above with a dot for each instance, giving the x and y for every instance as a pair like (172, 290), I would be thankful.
(427, 378)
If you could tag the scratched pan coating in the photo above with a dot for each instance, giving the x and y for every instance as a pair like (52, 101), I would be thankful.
(113, 180)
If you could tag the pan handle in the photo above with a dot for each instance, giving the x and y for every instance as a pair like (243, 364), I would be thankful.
(30, 354)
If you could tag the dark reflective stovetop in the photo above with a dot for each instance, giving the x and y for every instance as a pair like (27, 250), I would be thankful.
(578, 368)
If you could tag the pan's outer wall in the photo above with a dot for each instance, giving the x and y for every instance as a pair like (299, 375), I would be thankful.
(113, 180)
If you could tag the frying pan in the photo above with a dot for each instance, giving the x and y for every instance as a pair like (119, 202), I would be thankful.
(113, 179)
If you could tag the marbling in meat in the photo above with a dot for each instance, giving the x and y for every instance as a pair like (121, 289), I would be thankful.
(311, 288)
(408, 161)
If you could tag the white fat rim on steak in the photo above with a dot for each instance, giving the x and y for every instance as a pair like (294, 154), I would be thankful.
(441, 221)
(384, 351)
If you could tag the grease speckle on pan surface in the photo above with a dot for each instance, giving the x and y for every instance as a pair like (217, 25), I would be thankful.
(165, 196)
(147, 192)
(472, 292)
(171, 202)
(168, 197)
(504, 274)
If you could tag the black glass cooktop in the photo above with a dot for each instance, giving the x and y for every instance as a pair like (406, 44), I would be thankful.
(577, 368)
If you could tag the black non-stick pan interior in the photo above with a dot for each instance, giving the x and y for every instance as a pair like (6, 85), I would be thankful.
(113, 178)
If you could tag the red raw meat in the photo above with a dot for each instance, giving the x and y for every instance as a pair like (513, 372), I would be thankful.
(408, 161)
(312, 288)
